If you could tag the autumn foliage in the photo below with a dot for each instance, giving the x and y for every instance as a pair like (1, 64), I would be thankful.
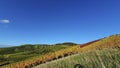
(109, 42)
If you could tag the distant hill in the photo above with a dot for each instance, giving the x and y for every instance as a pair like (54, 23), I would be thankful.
(3, 46)
(66, 43)
(31, 48)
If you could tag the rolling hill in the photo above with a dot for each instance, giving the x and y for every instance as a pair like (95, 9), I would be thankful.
(101, 52)
(9, 55)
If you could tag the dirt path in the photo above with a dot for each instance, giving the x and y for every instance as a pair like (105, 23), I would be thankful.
(63, 58)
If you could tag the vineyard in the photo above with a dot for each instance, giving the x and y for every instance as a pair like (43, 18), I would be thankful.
(109, 42)
(44, 58)
(106, 58)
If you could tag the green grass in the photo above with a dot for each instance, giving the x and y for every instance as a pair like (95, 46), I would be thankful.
(107, 58)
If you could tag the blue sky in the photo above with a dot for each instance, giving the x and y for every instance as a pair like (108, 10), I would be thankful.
(57, 21)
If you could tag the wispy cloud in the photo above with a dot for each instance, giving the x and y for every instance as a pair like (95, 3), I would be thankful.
(5, 21)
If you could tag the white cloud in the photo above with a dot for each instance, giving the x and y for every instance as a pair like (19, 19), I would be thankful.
(5, 21)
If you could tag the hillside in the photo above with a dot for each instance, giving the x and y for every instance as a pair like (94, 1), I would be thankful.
(107, 58)
(101, 53)
(110, 43)
(10, 55)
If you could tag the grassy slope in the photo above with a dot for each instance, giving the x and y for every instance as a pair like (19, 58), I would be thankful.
(109, 58)
(93, 55)
(15, 54)
(109, 42)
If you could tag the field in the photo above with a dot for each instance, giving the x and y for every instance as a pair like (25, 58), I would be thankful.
(107, 58)
(15, 54)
